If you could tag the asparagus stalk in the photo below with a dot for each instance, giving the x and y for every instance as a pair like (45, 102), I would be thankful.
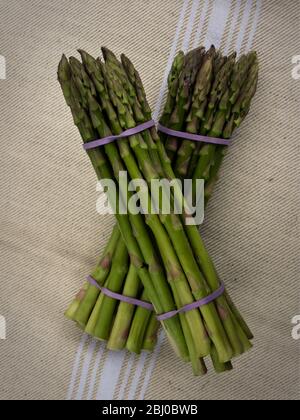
(233, 103)
(173, 82)
(138, 329)
(150, 338)
(100, 274)
(202, 87)
(114, 283)
(192, 62)
(119, 334)
(74, 305)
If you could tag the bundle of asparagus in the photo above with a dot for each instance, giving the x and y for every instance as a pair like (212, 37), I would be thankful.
(220, 102)
(131, 327)
(118, 89)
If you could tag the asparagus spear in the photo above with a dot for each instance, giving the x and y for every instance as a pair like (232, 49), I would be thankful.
(202, 87)
(233, 106)
(74, 305)
(114, 283)
(139, 326)
(150, 338)
(123, 321)
(100, 274)
(173, 82)
(192, 62)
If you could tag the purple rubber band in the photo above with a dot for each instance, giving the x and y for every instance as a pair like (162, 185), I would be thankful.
(146, 305)
(190, 136)
(127, 133)
(117, 296)
(208, 299)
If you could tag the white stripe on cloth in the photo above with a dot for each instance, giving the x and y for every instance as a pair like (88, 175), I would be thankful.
(171, 57)
(85, 369)
(121, 394)
(190, 26)
(110, 375)
(137, 375)
(151, 366)
(244, 24)
(217, 23)
(92, 382)
(232, 26)
(76, 366)
(201, 24)
(254, 25)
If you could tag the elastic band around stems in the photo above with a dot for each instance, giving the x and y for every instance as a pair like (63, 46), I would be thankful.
(146, 305)
(127, 133)
(193, 137)
(118, 296)
(205, 301)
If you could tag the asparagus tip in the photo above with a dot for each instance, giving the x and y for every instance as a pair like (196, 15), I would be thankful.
(84, 55)
(107, 53)
(63, 71)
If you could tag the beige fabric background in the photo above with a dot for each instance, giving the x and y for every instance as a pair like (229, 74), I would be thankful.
(51, 234)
